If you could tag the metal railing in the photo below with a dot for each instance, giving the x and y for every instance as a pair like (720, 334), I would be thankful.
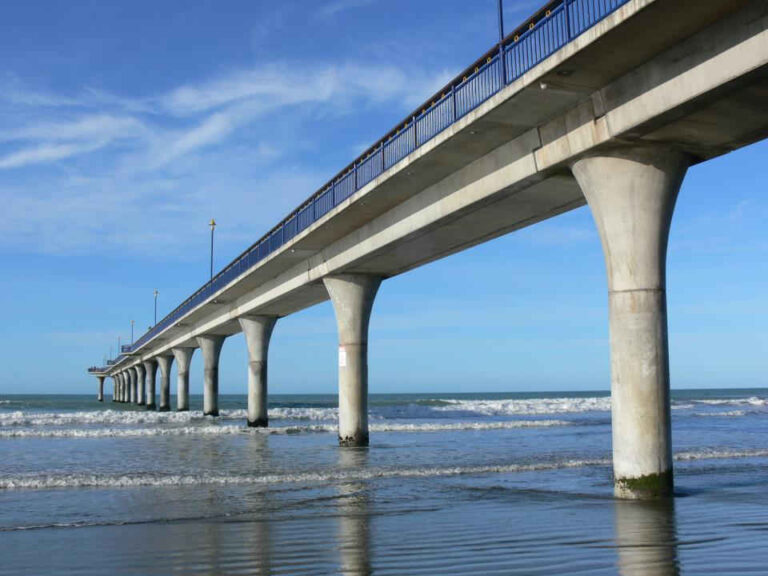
(547, 31)
(98, 369)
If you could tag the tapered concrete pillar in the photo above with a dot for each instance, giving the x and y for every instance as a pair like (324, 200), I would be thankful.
(257, 331)
(141, 382)
(133, 386)
(165, 363)
(632, 194)
(183, 358)
(121, 381)
(150, 368)
(100, 396)
(114, 387)
(210, 346)
(352, 297)
(118, 387)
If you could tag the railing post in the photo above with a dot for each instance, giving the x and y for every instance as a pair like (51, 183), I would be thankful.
(453, 103)
(567, 11)
(383, 163)
(354, 168)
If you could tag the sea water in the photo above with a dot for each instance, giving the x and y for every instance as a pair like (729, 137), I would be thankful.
(451, 484)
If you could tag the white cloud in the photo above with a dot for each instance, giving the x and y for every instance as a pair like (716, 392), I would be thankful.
(333, 8)
(45, 153)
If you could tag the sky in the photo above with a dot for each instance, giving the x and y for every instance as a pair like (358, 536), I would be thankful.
(126, 126)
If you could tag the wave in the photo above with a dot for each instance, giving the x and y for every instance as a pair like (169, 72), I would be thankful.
(85, 480)
(720, 455)
(51, 481)
(218, 430)
(523, 407)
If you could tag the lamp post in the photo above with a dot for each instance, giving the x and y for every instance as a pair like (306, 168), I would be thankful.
(119, 349)
(213, 227)
(156, 294)
(132, 323)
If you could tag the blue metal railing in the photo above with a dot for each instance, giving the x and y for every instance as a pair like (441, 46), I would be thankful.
(547, 31)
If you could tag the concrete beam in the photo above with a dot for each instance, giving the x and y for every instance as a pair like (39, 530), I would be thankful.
(183, 358)
(165, 363)
(632, 194)
(258, 331)
(210, 346)
(352, 297)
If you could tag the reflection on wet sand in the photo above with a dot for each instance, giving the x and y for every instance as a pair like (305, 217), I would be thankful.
(646, 538)
(354, 521)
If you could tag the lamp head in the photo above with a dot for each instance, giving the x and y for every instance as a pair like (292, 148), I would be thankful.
(212, 224)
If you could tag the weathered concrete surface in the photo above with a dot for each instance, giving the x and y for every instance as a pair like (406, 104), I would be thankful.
(257, 331)
(141, 383)
(352, 297)
(210, 346)
(150, 368)
(133, 385)
(632, 194)
(183, 358)
(165, 362)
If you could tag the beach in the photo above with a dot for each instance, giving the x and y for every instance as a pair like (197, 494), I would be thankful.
(451, 484)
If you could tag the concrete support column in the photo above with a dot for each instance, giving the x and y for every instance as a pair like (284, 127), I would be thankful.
(632, 194)
(133, 385)
(118, 387)
(140, 384)
(165, 363)
(210, 346)
(258, 331)
(114, 388)
(101, 388)
(183, 357)
(122, 377)
(352, 296)
(150, 367)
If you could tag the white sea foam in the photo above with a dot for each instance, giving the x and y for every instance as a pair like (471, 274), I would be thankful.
(49, 481)
(227, 430)
(84, 480)
(720, 454)
(751, 401)
(524, 407)
(728, 414)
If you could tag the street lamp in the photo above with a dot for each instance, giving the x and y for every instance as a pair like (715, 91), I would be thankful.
(132, 323)
(501, 42)
(156, 294)
(213, 227)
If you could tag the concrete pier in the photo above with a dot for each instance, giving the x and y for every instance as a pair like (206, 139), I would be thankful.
(632, 194)
(352, 296)
(183, 358)
(140, 384)
(123, 387)
(165, 363)
(257, 331)
(101, 389)
(150, 367)
(133, 388)
(210, 346)
(119, 387)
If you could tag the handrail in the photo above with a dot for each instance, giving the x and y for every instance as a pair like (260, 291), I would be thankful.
(549, 29)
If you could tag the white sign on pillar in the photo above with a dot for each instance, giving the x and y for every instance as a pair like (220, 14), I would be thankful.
(342, 357)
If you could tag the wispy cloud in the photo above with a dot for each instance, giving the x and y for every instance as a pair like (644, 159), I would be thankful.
(333, 8)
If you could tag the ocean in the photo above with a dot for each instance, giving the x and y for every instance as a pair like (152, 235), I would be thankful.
(451, 484)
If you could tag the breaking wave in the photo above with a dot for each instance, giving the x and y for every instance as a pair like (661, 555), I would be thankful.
(86, 480)
(226, 430)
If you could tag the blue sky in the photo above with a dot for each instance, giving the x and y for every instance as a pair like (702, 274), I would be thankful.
(126, 126)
